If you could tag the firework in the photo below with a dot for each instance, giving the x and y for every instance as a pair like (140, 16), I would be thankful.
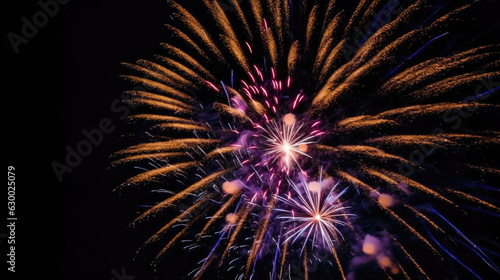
(250, 108)
(315, 215)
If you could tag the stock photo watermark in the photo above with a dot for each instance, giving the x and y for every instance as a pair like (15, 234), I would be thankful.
(390, 10)
(226, 7)
(11, 219)
(92, 138)
(455, 117)
(121, 275)
(32, 25)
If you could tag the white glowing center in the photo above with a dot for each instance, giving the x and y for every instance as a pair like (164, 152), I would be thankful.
(286, 147)
(285, 141)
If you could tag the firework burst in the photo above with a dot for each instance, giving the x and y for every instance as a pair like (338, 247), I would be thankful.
(283, 143)
(313, 214)
(247, 110)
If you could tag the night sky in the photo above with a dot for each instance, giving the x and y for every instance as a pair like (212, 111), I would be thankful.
(62, 82)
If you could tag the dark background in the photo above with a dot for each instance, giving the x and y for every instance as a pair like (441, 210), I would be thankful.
(62, 81)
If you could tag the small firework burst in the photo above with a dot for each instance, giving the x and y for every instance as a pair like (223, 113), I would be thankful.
(313, 212)
(285, 141)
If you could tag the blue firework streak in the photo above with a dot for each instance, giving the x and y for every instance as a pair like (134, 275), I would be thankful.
(246, 117)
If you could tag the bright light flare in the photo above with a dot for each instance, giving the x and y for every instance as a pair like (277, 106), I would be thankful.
(286, 140)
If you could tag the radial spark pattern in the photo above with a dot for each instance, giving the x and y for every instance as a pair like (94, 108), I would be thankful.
(252, 103)
(313, 214)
